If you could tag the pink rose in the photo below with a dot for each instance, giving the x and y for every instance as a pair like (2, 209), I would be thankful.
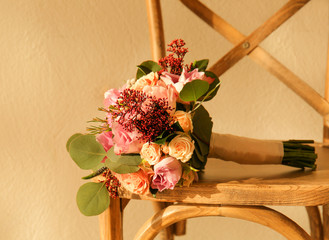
(110, 97)
(179, 81)
(167, 92)
(124, 141)
(166, 174)
(186, 77)
(169, 78)
(105, 138)
(137, 182)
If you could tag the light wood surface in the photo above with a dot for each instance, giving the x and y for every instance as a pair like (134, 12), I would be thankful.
(315, 222)
(262, 215)
(249, 43)
(110, 221)
(261, 57)
(231, 183)
(155, 29)
(326, 96)
(326, 221)
(167, 233)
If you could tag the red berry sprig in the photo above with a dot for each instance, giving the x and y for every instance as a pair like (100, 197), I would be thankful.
(147, 115)
(175, 63)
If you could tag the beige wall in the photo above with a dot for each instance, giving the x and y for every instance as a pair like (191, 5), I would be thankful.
(57, 58)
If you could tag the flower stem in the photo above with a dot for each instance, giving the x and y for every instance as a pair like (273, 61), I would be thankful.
(298, 154)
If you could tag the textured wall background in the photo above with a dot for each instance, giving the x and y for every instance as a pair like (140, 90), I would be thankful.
(58, 57)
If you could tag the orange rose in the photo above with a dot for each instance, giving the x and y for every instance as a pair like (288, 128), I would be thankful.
(185, 120)
(137, 182)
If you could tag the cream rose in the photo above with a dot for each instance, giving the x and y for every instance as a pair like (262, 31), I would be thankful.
(185, 120)
(147, 80)
(151, 152)
(181, 147)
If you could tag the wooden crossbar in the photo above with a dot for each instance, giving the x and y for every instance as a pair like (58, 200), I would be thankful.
(326, 96)
(254, 39)
(261, 57)
(156, 29)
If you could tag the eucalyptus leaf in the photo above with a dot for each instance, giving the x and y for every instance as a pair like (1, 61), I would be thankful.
(192, 91)
(93, 199)
(165, 139)
(86, 152)
(201, 65)
(213, 87)
(146, 67)
(122, 163)
(74, 136)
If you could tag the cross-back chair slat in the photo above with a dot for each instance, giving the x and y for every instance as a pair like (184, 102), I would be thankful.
(244, 47)
(261, 57)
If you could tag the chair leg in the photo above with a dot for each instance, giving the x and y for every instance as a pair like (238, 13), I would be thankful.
(315, 222)
(326, 222)
(111, 221)
(167, 233)
(180, 228)
(257, 214)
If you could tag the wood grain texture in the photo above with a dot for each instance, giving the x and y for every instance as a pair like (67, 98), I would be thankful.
(261, 57)
(111, 220)
(262, 215)
(167, 233)
(326, 222)
(326, 96)
(315, 222)
(155, 29)
(249, 43)
(230, 183)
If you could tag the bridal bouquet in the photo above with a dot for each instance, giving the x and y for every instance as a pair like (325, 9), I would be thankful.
(156, 134)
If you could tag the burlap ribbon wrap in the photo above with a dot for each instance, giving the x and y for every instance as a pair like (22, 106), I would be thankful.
(245, 150)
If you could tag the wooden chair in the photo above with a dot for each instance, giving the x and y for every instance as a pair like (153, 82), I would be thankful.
(239, 192)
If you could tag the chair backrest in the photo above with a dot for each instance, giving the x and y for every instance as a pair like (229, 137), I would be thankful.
(246, 45)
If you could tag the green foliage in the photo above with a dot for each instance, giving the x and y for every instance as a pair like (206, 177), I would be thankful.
(201, 65)
(74, 136)
(146, 67)
(192, 91)
(95, 173)
(86, 152)
(124, 163)
(213, 87)
(93, 199)
(202, 128)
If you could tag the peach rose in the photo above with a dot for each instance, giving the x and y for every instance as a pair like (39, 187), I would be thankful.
(165, 148)
(151, 152)
(188, 177)
(137, 182)
(185, 120)
(147, 80)
(181, 147)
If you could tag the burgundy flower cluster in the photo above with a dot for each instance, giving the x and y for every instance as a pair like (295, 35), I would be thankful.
(175, 63)
(146, 114)
(112, 184)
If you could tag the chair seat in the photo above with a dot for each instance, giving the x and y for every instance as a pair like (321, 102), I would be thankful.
(230, 183)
